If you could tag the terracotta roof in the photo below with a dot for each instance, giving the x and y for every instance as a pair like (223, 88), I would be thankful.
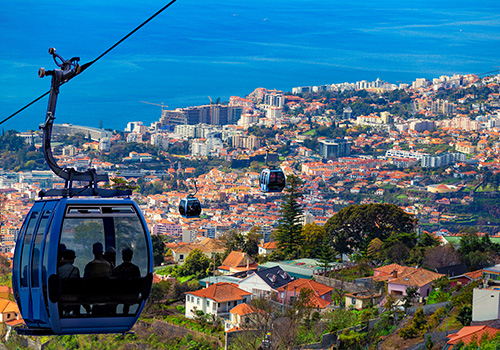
(244, 309)
(418, 277)
(270, 245)
(386, 272)
(474, 275)
(237, 259)
(6, 289)
(221, 292)
(318, 289)
(8, 306)
(302, 283)
(234, 329)
(468, 334)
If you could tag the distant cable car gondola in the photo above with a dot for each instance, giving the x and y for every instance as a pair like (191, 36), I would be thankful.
(190, 207)
(81, 265)
(272, 179)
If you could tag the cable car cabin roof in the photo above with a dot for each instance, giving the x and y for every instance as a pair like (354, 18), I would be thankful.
(82, 265)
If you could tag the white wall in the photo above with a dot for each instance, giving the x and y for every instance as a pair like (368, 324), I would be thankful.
(485, 304)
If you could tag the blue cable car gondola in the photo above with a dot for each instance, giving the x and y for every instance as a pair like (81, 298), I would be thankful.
(65, 278)
(94, 297)
(190, 207)
(272, 179)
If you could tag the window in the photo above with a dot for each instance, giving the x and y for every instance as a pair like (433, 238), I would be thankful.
(353, 301)
(208, 303)
(117, 228)
(198, 301)
(181, 257)
(26, 248)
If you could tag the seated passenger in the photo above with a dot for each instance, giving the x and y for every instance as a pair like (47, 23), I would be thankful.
(66, 269)
(127, 268)
(99, 267)
(110, 256)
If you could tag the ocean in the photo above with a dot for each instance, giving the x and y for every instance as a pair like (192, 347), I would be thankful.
(201, 49)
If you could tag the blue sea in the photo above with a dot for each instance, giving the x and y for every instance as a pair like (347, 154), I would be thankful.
(197, 49)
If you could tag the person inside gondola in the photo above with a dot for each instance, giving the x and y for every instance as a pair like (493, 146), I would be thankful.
(127, 269)
(110, 256)
(193, 208)
(99, 267)
(67, 269)
(60, 252)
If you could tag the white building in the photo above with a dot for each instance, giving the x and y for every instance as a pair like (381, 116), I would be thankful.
(485, 305)
(217, 299)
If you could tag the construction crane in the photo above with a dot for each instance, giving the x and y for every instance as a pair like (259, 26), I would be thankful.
(156, 104)
(162, 108)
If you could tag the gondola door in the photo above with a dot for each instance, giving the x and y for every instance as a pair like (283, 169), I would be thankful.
(22, 273)
(38, 267)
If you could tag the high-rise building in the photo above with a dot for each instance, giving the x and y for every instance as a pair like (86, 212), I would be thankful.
(334, 148)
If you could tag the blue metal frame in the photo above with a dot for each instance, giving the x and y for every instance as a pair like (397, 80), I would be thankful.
(40, 314)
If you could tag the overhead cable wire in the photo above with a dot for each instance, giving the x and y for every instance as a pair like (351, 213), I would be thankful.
(88, 64)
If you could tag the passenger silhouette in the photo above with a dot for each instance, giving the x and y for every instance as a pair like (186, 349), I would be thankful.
(99, 267)
(110, 256)
(127, 270)
(67, 269)
(60, 251)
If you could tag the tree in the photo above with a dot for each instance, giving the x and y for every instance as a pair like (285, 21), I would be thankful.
(159, 249)
(411, 294)
(465, 315)
(326, 255)
(248, 243)
(197, 263)
(252, 241)
(289, 231)
(353, 227)
(375, 249)
(313, 236)
(440, 256)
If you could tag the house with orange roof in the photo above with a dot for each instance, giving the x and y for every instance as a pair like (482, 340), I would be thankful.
(321, 294)
(361, 300)
(217, 299)
(268, 248)
(399, 278)
(466, 278)
(9, 314)
(245, 316)
(208, 246)
(470, 334)
(237, 262)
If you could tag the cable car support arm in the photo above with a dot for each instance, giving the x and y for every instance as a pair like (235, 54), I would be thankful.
(68, 69)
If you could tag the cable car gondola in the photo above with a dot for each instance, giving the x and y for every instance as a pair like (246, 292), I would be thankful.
(272, 179)
(190, 207)
(65, 279)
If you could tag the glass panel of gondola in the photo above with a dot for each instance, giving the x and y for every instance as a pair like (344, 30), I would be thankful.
(104, 264)
(81, 242)
(45, 264)
(39, 274)
(193, 207)
(132, 262)
(23, 296)
(182, 207)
